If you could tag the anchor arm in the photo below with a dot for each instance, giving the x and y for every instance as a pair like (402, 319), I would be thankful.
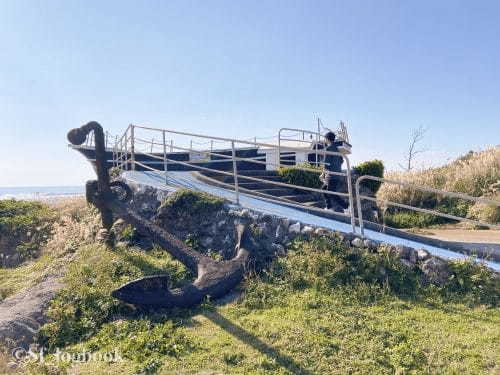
(214, 278)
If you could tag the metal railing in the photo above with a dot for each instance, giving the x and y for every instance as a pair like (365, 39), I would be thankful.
(359, 197)
(126, 149)
(125, 152)
(317, 138)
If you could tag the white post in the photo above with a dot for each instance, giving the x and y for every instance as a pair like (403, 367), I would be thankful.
(126, 152)
(132, 148)
(235, 172)
(211, 145)
(317, 142)
(171, 145)
(164, 156)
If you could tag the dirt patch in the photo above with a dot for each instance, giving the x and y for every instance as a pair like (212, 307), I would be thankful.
(464, 235)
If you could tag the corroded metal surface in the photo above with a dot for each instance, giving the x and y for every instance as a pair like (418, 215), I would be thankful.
(214, 278)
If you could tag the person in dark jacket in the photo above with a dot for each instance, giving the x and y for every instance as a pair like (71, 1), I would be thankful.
(331, 182)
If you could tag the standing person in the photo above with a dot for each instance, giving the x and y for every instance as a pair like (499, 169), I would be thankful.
(331, 182)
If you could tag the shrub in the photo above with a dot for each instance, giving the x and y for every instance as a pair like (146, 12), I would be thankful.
(295, 176)
(371, 168)
(114, 172)
(191, 202)
(24, 227)
(474, 282)
(411, 219)
(487, 213)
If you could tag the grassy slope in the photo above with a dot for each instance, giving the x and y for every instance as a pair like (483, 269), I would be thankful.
(323, 309)
(72, 224)
(476, 174)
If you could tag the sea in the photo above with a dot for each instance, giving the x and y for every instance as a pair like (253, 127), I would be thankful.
(41, 193)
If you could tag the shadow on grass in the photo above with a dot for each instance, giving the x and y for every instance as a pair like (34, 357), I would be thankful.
(252, 340)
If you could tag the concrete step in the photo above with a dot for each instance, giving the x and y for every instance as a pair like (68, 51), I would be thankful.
(303, 197)
(277, 192)
(318, 204)
(258, 173)
(256, 185)
(230, 179)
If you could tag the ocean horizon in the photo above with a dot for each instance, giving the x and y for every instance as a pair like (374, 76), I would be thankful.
(40, 192)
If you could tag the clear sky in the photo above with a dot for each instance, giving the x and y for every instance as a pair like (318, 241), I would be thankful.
(245, 68)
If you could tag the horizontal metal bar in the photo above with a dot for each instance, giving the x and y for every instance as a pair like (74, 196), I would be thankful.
(252, 160)
(251, 178)
(286, 148)
(429, 189)
(288, 203)
(432, 212)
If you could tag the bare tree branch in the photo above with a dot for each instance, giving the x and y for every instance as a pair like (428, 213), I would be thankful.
(416, 136)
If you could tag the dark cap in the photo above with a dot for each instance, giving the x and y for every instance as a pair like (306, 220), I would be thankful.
(330, 136)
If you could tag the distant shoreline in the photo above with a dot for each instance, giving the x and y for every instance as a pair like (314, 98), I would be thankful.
(41, 193)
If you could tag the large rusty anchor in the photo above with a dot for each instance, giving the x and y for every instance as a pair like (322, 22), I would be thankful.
(214, 278)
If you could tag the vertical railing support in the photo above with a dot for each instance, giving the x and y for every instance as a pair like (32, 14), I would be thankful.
(164, 156)
(360, 211)
(349, 190)
(126, 151)
(235, 173)
(132, 147)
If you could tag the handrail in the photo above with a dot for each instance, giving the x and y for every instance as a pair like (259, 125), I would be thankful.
(418, 209)
(251, 160)
(263, 195)
(317, 134)
(123, 144)
(282, 184)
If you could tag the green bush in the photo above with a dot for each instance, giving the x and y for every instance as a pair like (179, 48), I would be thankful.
(294, 176)
(191, 202)
(25, 226)
(371, 168)
(114, 172)
(403, 219)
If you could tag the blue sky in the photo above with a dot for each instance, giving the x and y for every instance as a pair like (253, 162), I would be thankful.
(245, 68)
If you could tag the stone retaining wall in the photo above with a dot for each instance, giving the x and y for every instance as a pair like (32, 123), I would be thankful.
(214, 232)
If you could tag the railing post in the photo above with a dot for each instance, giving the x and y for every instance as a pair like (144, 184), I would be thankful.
(171, 145)
(235, 173)
(132, 147)
(211, 145)
(360, 211)
(279, 147)
(126, 152)
(349, 189)
(164, 156)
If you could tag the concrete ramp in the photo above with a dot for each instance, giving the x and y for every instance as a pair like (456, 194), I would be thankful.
(178, 180)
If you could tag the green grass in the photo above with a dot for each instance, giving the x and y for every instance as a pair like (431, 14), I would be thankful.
(323, 309)
(24, 227)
